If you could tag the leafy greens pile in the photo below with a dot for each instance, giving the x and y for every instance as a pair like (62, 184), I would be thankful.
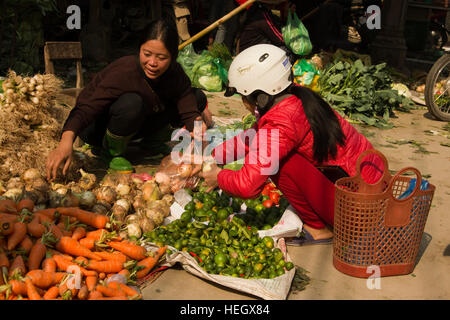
(362, 93)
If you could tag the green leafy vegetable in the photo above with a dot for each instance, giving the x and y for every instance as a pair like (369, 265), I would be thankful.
(362, 92)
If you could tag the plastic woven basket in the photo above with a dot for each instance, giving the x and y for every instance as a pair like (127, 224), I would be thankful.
(372, 227)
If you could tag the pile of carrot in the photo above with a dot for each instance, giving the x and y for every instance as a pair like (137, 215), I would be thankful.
(65, 254)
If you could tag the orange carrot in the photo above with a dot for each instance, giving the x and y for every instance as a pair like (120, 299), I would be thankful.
(8, 206)
(90, 218)
(78, 233)
(44, 279)
(108, 266)
(83, 293)
(65, 256)
(95, 295)
(51, 293)
(149, 262)
(110, 292)
(26, 245)
(65, 292)
(4, 261)
(31, 290)
(116, 256)
(125, 272)
(101, 275)
(6, 227)
(36, 256)
(25, 204)
(43, 218)
(97, 234)
(56, 231)
(49, 265)
(19, 233)
(18, 287)
(130, 249)
(88, 243)
(91, 282)
(35, 228)
(64, 264)
(128, 290)
(73, 247)
(51, 213)
(17, 266)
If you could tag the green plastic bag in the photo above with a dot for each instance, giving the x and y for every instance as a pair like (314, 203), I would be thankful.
(304, 72)
(296, 36)
(205, 73)
(187, 58)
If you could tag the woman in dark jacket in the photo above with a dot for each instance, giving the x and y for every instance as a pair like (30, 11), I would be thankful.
(135, 96)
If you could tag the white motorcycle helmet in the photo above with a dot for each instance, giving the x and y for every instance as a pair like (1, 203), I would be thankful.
(262, 67)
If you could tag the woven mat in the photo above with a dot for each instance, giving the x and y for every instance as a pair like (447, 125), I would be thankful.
(151, 277)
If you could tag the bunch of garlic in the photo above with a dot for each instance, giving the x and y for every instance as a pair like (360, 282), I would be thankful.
(17, 88)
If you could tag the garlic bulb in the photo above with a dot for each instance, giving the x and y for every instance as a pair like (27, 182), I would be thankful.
(123, 203)
(30, 175)
(106, 194)
(14, 194)
(156, 216)
(134, 230)
(147, 225)
(15, 183)
(168, 199)
(132, 218)
(87, 181)
(87, 199)
(123, 189)
(100, 209)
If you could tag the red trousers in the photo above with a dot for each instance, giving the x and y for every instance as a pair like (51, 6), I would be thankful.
(310, 192)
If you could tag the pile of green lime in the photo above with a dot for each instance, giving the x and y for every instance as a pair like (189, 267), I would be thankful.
(220, 246)
(262, 216)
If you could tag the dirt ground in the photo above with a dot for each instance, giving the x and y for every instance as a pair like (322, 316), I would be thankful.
(416, 140)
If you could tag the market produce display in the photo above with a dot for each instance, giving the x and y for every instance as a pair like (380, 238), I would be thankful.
(222, 242)
(50, 231)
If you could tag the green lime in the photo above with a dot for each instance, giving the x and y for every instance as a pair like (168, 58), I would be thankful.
(258, 267)
(220, 260)
(259, 208)
(280, 272)
(190, 206)
(289, 265)
(222, 214)
(186, 216)
(268, 242)
(277, 254)
(266, 227)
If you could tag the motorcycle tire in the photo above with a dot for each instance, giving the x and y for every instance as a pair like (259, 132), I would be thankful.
(440, 72)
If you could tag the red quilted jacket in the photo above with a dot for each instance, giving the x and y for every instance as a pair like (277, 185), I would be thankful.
(285, 123)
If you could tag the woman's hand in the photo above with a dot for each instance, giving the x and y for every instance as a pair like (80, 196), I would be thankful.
(210, 172)
(62, 155)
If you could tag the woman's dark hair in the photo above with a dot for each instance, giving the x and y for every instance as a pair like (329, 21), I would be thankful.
(165, 31)
(324, 123)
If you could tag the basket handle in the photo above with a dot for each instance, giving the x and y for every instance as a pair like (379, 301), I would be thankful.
(377, 186)
(398, 211)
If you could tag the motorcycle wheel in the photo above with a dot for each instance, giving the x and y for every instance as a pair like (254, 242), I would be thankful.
(437, 89)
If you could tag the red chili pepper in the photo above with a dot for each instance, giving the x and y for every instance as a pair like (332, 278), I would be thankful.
(242, 275)
(194, 255)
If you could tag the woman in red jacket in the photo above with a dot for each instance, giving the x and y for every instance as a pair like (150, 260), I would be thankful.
(299, 142)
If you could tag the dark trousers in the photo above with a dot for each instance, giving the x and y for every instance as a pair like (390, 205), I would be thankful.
(127, 116)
